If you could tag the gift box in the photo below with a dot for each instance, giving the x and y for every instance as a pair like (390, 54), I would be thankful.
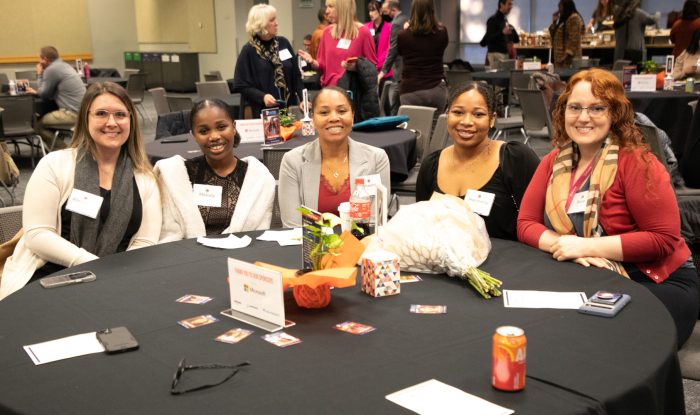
(380, 274)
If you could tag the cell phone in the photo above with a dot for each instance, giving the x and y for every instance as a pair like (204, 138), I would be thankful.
(174, 140)
(67, 279)
(604, 310)
(351, 60)
(605, 297)
(117, 339)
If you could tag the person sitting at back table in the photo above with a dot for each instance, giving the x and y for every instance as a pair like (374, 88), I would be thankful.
(686, 64)
(230, 194)
(59, 82)
(475, 162)
(600, 198)
(683, 28)
(267, 69)
(94, 199)
(321, 174)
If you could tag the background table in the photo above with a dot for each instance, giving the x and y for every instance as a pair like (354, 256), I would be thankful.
(399, 144)
(576, 363)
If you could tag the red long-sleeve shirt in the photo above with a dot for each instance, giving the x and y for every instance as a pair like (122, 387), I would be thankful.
(640, 207)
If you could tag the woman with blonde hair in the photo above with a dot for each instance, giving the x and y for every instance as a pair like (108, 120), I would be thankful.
(96, 198)
(341, 44)
(267, 70)
(601, 199)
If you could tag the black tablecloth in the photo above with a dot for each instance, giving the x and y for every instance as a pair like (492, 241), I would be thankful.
(399, 144)
(576, 364)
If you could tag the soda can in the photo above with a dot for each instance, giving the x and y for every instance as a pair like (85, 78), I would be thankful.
(689, 84)
(509, 352)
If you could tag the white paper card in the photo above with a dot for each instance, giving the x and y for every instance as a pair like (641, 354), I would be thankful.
(256, 295)
(285, 54)
(480, 202)
(84, 203)
(284, 238)
(543, 299)
(65, 348)
(532, 66)
(344, 43)
(643, 83)
(578, 203)
(232, 242)
(372, 32)
(165, 57)
(207, 195)
(433, 397)
(175, 58)
(251, 131)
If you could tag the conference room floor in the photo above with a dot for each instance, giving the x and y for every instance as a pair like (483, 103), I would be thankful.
(541, 147)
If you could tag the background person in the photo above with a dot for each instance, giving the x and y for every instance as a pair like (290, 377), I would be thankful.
(344, 39)
(381, 32)
(244, 189)
(391, 13)
(58, 81)
(478, 163)
(686, 64)
(321, 174)
(421, 47)
(107, 162)
(683, 29)
(267, 70)
(597, 198)
(499, 34)
(323, 22)
(602, 11)
(629, 24)
(566, 31)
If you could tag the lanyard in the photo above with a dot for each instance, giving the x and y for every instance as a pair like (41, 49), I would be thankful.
(573, 187)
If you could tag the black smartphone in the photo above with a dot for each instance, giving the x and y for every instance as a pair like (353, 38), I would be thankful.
(67, 279)
(117, 339)
(173, 140)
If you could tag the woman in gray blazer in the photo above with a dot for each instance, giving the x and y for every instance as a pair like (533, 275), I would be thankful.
(321, 174)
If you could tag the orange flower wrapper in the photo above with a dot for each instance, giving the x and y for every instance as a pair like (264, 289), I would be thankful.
(308, 297)
(288, 132)
(350, 253)
(334, 277)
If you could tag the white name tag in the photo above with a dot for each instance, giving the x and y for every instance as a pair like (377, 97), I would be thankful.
(285, 54)
(206, 195)
(480, 202)
(372, 31)
(578, 204)
(84, 203)
(344, 43)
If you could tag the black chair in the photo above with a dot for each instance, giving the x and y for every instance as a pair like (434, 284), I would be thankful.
(19, 122)
(136, 88)
(272, 159)
(178, 103)
(536, 118)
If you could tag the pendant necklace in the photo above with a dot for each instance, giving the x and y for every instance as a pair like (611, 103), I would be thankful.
(336, 173)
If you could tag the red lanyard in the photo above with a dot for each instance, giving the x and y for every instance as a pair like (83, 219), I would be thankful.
(573, 187)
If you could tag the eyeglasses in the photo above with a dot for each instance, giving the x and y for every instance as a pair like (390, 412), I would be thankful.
(593, 110)
(103, 115)
(182, 368)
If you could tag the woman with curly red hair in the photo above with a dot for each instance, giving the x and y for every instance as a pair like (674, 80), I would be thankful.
(600, 198)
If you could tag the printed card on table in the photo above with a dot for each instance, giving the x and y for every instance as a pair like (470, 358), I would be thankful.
(193, 299)
(271, 125)
(428, 309)
(281, 339)
(234, 336)
(353, 327)
(198, 321)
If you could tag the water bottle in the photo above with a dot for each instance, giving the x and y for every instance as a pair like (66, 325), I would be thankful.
(13, 87)
(360, 208)
(86, 70)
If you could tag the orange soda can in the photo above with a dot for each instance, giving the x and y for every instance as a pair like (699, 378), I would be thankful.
(508, 370)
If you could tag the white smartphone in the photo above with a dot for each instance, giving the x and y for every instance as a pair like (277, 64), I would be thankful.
(67, 279)
(604, 306)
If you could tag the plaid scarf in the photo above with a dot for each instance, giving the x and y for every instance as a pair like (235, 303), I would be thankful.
(272, 55)
(602, 177)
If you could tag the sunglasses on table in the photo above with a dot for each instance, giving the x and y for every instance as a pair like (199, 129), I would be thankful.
(183, 367)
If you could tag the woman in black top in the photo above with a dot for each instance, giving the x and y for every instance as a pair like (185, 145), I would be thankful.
(491, 175)
(267, 69)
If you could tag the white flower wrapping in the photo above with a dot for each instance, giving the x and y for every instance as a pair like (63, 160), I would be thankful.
(442, 235)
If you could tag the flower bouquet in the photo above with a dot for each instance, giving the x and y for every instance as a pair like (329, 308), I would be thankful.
(288, 124)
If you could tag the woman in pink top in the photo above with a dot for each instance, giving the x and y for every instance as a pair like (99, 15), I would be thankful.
(340, 41)
(380, 31)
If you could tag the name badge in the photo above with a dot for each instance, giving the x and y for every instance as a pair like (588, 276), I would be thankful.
(206, 195)
(285, 54)
(578, 203)
(84, 203)
(480, 202)
(372, 32)
(344, 43)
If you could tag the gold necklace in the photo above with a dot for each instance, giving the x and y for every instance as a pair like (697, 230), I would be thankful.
(336, 172)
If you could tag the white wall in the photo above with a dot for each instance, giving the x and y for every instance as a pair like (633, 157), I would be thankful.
(113, 28)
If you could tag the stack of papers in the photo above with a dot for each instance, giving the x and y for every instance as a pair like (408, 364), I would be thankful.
(232, 242)
(67, 347)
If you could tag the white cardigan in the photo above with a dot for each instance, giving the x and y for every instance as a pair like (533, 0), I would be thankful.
(181, 217)
(47, 190)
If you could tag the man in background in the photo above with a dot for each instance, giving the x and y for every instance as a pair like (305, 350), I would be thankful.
(391, 12)
(58, 81)
(499, 34)
(323, 21)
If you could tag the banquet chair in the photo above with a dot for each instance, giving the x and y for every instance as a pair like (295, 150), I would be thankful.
(456, 78)
(439, 139)
(136, 89)
(178, 103)
(130, 71)
(518, 79)
(383, 98)
(272, 159)
(536, 118)
(212, 89)
(9, 185)
(19, 122)
(29, 75)
(620, 64)
(213, 76)
(421, 120)
(507, 65)
(10, 222)
(159, 100)
(693, 105)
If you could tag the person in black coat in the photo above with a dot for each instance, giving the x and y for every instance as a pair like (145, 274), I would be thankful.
(267, 70)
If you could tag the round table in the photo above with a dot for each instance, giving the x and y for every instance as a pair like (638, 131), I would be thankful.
(576, 363)
(399, 145)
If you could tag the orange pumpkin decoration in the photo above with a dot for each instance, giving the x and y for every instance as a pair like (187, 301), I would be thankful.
(308, 297)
